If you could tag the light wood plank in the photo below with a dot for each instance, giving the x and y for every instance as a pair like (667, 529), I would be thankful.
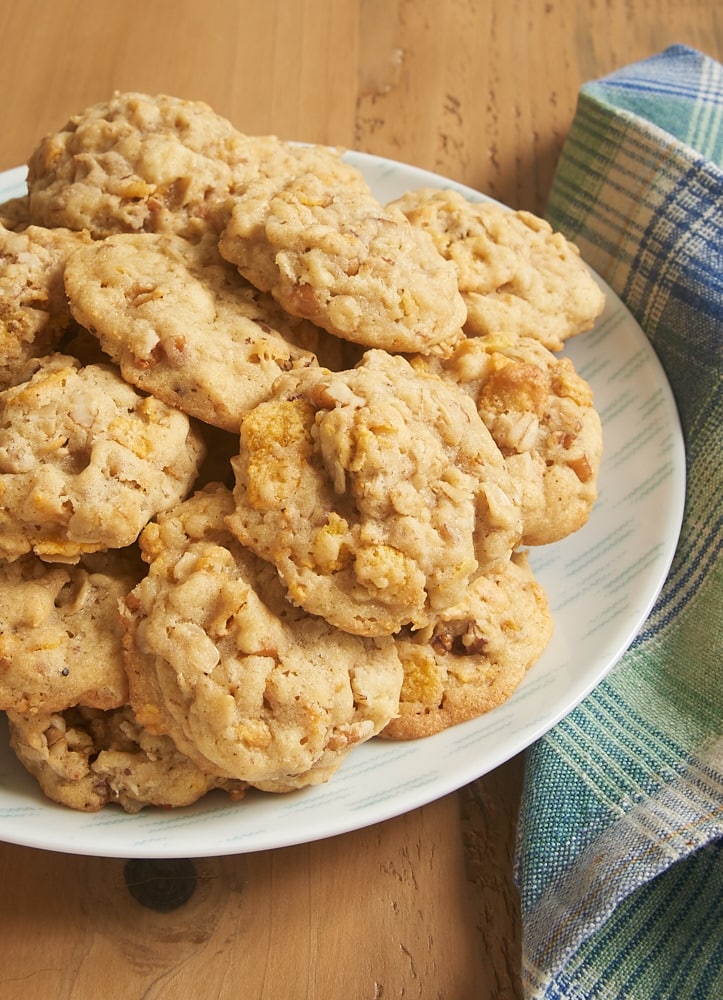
(386, 911)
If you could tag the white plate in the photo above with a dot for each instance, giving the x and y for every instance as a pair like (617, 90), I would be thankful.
(601, 582)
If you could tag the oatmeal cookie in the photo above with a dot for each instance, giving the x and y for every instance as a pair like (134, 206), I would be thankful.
(516, 275)
(331, 253)
(60, 632)
(86, 461)
(86, 758)
(139, 163)
(34, 313)
(540, 412)
(378, 493)
(182, 324)
(278, 161)
(245, 684)
(474, 656)
(14, 213)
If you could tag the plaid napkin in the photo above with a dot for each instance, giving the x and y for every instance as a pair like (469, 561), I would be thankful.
(620, 860)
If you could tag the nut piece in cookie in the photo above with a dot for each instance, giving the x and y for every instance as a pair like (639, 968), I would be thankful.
(182, 324)
(331, 253)
(516, 275)
(34, 313)
(86, 759)
(540, 412)
(60, 632)
(245, 684)
(474, 656)
(378, 493)
(86, 461)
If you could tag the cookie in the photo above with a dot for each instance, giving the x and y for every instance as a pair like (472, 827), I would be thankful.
(14, 213)
(183, 325)
(475, 655)
(60, 634)
(278, 161)
(516, 275)
(138, 163)
(540, 413)
(378, 493)
(246, 685)
(331, 253)
(85, 758)
(86, 461)
(34, 313)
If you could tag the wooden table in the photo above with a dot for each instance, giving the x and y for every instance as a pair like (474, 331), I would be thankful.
(483, 92)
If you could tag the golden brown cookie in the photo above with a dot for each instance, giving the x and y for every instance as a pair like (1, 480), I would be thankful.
(60, 632)
(378, 493)
(516, 275)
(86, 461)
(14, 213)
(138, 163)
(278, 161)
(474, 656)
(329, 252)
(86, 759)
(183, 325)
(245, 684)
(540, 413)
(34, 313)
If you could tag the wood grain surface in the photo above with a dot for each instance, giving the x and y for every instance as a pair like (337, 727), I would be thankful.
(484, 92)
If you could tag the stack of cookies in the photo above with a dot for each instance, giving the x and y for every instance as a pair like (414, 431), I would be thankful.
(271, 456)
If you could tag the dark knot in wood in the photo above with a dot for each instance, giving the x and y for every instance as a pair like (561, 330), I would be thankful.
(161, 885)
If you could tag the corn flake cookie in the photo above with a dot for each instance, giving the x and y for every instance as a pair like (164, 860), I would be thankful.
(60, 633)
(139, 163)
(14, 213)
(246, 685)
(378, 493)
(516, 275)
(278, 161)
(183, 325)
(331, 253)
(540, 413)
(475, 655)
(34, 313)
(86, 759)
(86, 461)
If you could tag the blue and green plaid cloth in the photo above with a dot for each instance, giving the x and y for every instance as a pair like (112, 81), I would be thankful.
(622, 891)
